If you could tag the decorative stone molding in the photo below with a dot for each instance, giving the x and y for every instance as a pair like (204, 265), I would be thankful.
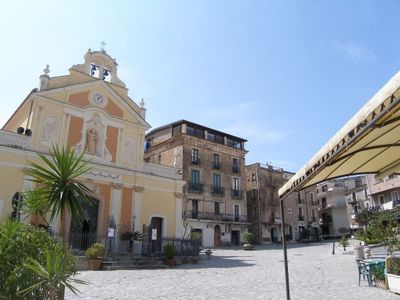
(117, 186)
(138, 188)
(178, 195)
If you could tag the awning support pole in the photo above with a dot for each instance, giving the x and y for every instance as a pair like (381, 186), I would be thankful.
(284, 247)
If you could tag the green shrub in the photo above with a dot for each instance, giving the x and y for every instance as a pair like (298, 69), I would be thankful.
(249, 237)
(378, 272)
(170, 251)
(95, 251)
(19, 244)
(343, 241)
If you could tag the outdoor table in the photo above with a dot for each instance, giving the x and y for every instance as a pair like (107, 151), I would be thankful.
(372, 263)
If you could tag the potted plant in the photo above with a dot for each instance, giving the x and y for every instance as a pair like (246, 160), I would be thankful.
(385, 227)
(250, 239)
(170, 253)
(94, 253)
(208, 252)
(378, 274)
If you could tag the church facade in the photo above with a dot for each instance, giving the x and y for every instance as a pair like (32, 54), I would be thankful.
(89, 111)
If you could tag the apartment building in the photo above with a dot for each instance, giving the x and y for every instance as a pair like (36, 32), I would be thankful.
(357, 198)
(308, 212)
(333, 208)
(213, 165)
(263, 182)
(384, 192)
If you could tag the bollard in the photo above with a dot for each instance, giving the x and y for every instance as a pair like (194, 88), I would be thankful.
(333, 247)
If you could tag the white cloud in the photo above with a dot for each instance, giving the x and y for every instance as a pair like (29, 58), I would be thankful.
(356, 53)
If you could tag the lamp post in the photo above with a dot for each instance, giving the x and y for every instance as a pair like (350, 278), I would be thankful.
(284, 248)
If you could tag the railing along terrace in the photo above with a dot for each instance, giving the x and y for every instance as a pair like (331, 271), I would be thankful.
(216, 165)
(15, 140)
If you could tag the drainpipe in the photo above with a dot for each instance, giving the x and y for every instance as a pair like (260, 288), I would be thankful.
(259, 205)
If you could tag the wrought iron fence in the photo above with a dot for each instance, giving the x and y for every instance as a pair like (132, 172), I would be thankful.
(184, 247)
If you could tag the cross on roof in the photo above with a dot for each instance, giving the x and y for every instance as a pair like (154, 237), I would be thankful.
(102, 45)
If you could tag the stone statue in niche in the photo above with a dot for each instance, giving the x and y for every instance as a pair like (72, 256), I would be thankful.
(129, 150)
(91, 140)
(49, 129)
(176, 155)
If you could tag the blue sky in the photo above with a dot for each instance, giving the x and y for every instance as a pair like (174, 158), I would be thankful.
(285, 75)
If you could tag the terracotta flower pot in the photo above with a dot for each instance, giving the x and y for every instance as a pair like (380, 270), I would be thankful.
(95, 264)
(171, 262)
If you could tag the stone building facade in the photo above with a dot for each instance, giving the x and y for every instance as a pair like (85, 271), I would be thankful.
(213, 164)
(89, 111)
(263, 183)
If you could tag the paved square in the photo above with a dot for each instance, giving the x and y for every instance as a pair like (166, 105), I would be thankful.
(237, 274)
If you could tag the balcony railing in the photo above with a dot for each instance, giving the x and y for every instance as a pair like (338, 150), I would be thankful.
(235, 169)
(214, 216)
(15, 140)
(195, 187)
(218, 191)
(195, 161)
(237, 194)
(216, 165)
(275, 220)
(301, 218)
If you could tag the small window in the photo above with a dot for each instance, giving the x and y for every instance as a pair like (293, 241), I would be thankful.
(324, 188)
(289, 211)
(381, 199)
(235, 184)
(195, 156)
(253, 177)
(195, 177)
(217, 208)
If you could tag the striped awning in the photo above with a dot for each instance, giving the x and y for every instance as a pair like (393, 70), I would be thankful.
(368, 143)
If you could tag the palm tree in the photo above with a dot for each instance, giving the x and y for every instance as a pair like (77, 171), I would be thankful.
(57, 184)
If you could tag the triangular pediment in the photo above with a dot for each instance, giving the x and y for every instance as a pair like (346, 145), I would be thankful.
(97, 95)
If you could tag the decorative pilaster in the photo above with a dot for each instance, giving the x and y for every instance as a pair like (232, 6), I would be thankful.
(116, 203)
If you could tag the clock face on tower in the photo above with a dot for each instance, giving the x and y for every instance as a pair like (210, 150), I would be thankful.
(97, 99)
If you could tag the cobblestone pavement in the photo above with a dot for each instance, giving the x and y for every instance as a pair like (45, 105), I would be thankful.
(237, 274)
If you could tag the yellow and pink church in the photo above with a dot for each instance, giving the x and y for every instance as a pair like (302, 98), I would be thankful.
(89, 111)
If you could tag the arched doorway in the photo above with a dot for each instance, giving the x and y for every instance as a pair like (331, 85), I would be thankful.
(83, 232)
(217, 236)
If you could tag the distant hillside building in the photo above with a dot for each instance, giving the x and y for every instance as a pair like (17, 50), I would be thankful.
(213, 164)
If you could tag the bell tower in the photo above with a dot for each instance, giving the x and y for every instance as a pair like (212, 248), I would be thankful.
(100, 65)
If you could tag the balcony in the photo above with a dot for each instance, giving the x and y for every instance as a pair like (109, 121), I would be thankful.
(200, 215)
(195, 187)
(237, 194)
(218, 191)
(301, 218)
(216, 165)
(301, 201)
(15, 140)
(275, 220)
(195, 161)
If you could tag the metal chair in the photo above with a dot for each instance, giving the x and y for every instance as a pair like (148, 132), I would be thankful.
(364, 270)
